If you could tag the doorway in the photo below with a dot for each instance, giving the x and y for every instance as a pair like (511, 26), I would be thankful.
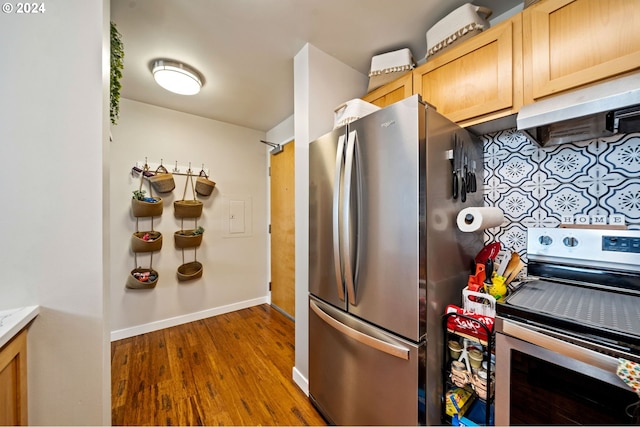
(283, 230)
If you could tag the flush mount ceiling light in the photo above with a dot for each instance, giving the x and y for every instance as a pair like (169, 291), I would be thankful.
(176, 77)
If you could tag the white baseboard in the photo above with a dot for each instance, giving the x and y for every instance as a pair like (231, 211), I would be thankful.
(301, 381)
(186, 318)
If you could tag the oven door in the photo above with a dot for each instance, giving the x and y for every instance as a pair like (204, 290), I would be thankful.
(542, 379)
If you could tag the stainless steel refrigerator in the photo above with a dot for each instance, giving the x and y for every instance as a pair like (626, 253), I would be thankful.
(385, 258)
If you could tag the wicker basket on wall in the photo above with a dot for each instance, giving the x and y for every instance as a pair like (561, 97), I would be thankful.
(189, 271)
(146, 241)
(140, 208)
(204, 186)
(187, 239)
(188, 208)
(142, 278)
(134, 283)
(162, 181)
(151, 206)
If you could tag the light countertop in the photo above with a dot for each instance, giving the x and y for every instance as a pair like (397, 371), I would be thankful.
(14, 320)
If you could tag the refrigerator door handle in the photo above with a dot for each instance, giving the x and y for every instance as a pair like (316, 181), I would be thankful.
(346, 215)
(336, 218)
(375, 343)
(359, 212)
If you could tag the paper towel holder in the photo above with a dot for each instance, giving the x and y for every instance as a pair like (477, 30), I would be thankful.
(478, 218)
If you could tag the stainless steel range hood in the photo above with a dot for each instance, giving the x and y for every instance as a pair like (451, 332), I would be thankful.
(596, 111)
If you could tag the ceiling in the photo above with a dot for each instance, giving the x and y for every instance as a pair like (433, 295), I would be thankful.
(245, 48)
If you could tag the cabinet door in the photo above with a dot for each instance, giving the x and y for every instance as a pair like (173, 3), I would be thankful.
(479, 80)
(570, 43)
(392, 92)
(13, 381)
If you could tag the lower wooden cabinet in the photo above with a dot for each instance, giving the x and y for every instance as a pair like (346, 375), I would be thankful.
(478, 80)
(13, 381)
(392, 92)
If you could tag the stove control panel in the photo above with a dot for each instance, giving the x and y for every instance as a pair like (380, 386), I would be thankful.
(587, 247)
(621, 244)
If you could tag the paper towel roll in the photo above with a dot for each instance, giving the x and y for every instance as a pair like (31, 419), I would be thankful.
(474, 219)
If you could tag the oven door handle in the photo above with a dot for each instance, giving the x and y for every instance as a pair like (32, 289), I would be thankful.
(543, 339)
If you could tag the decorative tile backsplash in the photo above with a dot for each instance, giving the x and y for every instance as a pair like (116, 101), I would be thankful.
(536, 186)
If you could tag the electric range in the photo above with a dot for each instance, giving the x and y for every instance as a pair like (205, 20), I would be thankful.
(583, 284)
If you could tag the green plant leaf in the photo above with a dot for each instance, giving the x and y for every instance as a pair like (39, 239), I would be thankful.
(139, 194)
(117, 65)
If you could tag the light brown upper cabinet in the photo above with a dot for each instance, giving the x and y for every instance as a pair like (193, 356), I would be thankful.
(392, 92)
(571, 43)
(477, 80)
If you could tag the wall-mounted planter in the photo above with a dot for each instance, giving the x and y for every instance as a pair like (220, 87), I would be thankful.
(189, 271)
(142, 278)
(141, 208)
(186, 239)
(146, 241)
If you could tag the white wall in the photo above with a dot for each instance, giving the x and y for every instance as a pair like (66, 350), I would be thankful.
(53, 117)
(321, 83)
(235, 268)
(495, 20)
(283, 132)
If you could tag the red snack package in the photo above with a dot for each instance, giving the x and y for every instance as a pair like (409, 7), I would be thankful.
(467, 327)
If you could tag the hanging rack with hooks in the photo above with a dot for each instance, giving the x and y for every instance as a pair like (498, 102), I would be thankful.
(175, 169)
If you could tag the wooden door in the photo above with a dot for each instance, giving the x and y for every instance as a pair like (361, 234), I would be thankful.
(283, 230)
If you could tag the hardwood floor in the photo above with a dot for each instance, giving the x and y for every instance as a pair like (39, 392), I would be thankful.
(232, 369)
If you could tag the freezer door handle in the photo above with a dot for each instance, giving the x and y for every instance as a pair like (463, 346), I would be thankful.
(346, 217)
(336, 218)
(375, 343)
